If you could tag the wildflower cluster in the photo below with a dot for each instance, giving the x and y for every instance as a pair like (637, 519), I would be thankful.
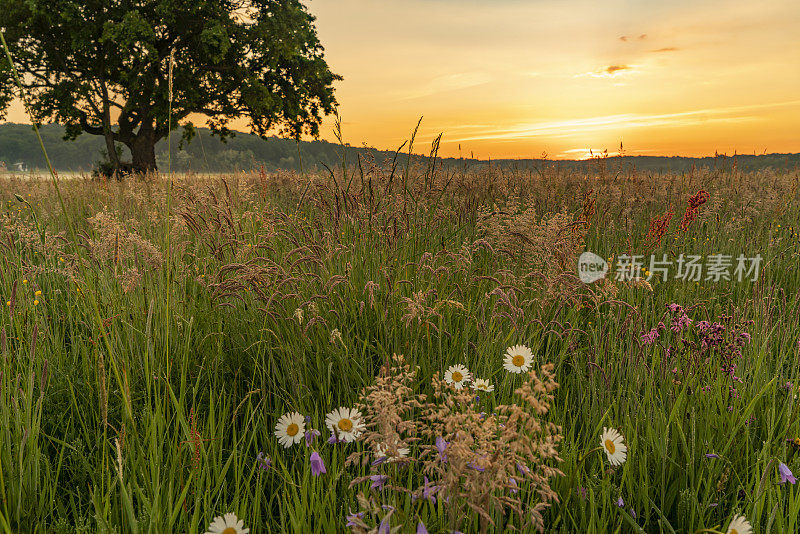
(701, 349)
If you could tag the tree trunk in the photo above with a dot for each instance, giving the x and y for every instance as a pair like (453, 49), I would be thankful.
(107, 133)
(143, 153)
(112, 149)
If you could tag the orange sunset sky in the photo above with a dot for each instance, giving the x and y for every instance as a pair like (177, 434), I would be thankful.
(516, 78)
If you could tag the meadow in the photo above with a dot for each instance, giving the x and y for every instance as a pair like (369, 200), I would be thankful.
(155, 330)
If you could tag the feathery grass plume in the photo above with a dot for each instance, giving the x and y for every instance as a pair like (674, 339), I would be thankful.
(549, 245)
(475, 461)
(102, 391)
(388, 407)
(43, 376)
(115, 244)
(119, 459)
(336, 336)
(34, 338)
(638, 283)
(370, 288)
(126, 387)
(417, 308)
(486, 452)
(21, 237)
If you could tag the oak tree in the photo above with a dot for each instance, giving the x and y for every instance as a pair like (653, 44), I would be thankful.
(131, 71)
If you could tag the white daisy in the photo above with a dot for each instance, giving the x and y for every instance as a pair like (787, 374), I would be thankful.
(481, 384)
(345, 423)
(381, 451)
(519, 359)
(227, 524)
(612, 443)
(739, 525)
(290, 429)
(457, 375)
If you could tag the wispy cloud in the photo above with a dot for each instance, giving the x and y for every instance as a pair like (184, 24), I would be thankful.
(626, 38)
(610, 71)
(449, 82)
(566, 128)
(665, 49)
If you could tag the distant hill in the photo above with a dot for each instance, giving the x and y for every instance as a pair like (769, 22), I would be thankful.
(205, 153)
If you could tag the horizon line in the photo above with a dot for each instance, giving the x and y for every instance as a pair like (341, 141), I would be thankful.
(596, 153)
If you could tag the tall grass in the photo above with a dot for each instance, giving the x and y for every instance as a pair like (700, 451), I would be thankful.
(159, 430)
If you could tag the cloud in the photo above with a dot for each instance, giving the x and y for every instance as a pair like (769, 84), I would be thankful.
(589, 125)
(665, 49)
(611, 69)
(449, 82)
(626, 38)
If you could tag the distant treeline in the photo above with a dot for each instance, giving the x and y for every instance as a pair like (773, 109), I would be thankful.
(205, 153)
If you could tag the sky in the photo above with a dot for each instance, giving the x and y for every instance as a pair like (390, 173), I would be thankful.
(514, 78)
(523, 78)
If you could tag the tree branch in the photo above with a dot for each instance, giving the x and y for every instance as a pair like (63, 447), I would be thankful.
(88, 128)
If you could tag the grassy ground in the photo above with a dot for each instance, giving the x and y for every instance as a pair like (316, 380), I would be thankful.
(141, 384)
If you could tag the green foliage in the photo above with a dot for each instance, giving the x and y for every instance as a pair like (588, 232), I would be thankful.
(132, 71)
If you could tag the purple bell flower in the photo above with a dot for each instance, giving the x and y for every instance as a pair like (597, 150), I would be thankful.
(786, 474)
(317, 465)
(264, 462)
(378, 481)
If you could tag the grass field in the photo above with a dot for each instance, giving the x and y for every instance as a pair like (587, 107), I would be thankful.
(152, 337)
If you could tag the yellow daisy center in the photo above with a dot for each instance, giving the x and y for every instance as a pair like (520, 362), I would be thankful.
(733, 531)
(231, 530)
(610, 447)
(291, 431)
(345, 425)
(518, 360)
(457, 377)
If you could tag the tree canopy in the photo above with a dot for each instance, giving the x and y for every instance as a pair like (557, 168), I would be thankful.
(131, 71)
